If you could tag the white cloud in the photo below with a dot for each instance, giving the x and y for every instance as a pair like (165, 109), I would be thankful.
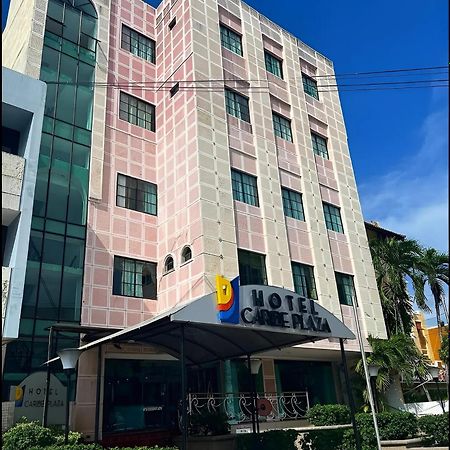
(412, 198)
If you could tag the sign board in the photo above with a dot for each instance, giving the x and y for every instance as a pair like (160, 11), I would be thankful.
(269, 307)
(29, 397)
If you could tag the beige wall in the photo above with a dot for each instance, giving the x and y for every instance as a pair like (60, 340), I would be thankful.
(23, 37)
(225, 141)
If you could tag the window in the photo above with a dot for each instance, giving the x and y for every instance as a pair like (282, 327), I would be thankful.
(231, 40)
(252, 268)
(137, 112)
(333, 218)
(174, 89)
(273, 65)
(346, 288)
(134, 278)
(310, 86)
(304, 283)
(136, 194)
(186, 254)
(245, 188)
(282, 127)
(10, 141)
(138, 44)
(237, 105)
(172, 23)
(319, 145)
(168, 264)
(292, 204)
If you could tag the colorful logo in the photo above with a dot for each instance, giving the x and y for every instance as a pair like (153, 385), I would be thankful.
(227, 299)
(19, 394)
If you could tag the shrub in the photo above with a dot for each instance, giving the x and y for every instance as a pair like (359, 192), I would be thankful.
(73, 438)
(435, 428)
(69, 447)
(397, 425)
(326, 439)
(270, 440)
(143, 448)
(22, 436)
(208, 423)
(391, 425)
(329, 415)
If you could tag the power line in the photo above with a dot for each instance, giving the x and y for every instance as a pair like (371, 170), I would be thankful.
(385, 83)
(413, 69)
(386, 88)
(166, 86)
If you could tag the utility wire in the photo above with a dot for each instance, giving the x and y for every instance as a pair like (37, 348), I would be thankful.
(385, 88)
(387, 73)
(194, 84)
(413, 69)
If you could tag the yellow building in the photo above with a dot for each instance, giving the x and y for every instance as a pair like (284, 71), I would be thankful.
(427, 338)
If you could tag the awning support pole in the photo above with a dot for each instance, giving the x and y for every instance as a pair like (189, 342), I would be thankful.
(183, 393)
(47, 378)
(366, 373)
(253, 400)
(350, 395)
(97, 396)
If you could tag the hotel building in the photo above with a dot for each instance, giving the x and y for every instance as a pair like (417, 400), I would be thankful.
(195, 139)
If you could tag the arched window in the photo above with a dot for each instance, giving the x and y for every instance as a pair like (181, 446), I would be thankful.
(186, 254)
(168, 264)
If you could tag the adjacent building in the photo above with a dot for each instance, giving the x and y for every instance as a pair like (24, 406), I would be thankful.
(181, 142)
(427, 338)
(23, 100)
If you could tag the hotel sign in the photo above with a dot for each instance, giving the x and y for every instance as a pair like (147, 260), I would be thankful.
(269, 307)
(29, 397)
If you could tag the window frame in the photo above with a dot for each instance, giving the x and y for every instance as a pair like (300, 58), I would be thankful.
(169, 258)
(248, 264)
(145, 45)
(283, 124)
(341, 288)
(289, 211)
(234, 36)
(310, 86)
(119, 284)
(273, 64)
(243, 111)
(317, 145)
(330, 223)
(307, 280)
(139, 103)
(183, 256)
(240, 195)
(136, 199)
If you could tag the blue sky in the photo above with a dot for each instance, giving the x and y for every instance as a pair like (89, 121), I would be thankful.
(398, 139)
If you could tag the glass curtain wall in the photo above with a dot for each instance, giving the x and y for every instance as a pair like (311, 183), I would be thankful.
(54, 276)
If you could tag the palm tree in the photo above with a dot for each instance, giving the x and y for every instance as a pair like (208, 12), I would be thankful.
(394, 260)
(432, 270)
(396, 356)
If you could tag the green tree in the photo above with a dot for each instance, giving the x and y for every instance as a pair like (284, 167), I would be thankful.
(395, 356)
(443, 351)
(394, 260)
(432, 270)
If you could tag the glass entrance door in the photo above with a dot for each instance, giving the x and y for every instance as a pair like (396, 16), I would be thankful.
(140, 395)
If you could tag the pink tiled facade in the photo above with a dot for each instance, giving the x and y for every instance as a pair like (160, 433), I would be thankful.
(189, 158)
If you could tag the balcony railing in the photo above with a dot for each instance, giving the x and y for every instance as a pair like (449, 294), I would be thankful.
(238, 405)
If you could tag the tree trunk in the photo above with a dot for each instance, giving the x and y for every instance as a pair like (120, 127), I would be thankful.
(437, 304)
(427, 393)
(399, 318)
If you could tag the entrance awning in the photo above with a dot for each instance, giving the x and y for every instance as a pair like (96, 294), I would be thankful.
(254, 319)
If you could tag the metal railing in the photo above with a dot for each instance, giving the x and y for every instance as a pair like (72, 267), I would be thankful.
(237, 406)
